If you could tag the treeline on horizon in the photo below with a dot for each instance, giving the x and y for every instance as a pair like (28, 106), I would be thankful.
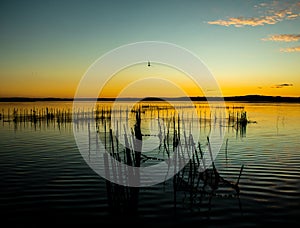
(246, 98)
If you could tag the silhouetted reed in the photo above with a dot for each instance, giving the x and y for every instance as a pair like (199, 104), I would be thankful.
(122, 199)
(175, 141)
(201, 185)
(236, 115)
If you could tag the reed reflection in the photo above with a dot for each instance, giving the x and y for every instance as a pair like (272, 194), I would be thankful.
(147, 123)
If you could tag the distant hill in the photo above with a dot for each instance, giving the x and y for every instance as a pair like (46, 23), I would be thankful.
(260, 98)
(246, 98)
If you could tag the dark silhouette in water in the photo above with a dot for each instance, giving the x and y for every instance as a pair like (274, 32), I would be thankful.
(125, 199)
(199, 186)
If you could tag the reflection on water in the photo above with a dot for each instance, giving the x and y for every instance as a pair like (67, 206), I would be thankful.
(44, 175)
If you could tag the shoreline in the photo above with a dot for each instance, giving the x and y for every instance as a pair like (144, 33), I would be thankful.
(246, 98)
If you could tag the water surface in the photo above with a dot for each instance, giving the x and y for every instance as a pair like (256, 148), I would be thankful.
(44, 178)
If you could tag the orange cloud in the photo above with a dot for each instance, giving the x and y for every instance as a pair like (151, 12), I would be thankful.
(273, 14)
(283, 37)
(290, 49)
(241, 21)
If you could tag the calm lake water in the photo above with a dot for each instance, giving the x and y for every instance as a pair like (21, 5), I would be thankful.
(45, 179)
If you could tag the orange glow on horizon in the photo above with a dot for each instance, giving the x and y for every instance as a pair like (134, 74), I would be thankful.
(157, 81)
(128, 82)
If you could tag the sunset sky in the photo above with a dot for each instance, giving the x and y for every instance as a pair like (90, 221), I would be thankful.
(251, 47)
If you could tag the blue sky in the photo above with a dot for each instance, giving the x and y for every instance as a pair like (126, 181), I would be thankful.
(46, 46)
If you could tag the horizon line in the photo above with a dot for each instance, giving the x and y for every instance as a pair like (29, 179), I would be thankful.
(254, 97)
